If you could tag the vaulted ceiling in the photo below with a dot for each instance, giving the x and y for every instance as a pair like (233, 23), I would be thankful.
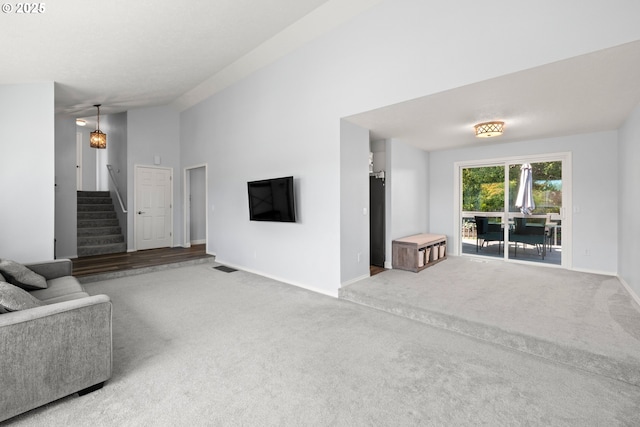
(127, 55)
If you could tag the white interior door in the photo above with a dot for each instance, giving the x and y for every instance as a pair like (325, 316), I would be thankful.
(154, 207)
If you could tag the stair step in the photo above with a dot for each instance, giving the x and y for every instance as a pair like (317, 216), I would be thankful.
(102, 249)
(99, 231)
(103, 207)
(93, 194)
(97, 215)
(94, 201)
(100, 240)
(88, 223)
(98, 227)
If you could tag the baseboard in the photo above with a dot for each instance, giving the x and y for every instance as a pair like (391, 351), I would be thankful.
(279, 279)
(586, 270)
(388, 265)
(357, 279)
(629, 289)
(199, 242)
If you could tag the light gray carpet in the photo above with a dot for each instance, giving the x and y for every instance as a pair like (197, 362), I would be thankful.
(585, 320)
(195, 346)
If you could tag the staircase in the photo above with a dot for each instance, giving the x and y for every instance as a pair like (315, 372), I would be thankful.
(99, 231)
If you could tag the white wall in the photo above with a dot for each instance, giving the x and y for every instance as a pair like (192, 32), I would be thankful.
(354, 202)
(154, 132)
(198, 210)
(116, 128)
(629, 201)
(408, 183)
(89, 158)
(27, 175)
(285, 118)
(66, 226)
(595, 183)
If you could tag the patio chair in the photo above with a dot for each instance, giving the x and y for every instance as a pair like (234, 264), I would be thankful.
(488, 233)
(529, 231)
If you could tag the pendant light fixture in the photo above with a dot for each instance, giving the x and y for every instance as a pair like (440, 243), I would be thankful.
(98, 139)
(489, 129)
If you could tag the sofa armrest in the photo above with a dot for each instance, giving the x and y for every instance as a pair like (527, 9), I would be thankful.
(52, 351)
(52, 269)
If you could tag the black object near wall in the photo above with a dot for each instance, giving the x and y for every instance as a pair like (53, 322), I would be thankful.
(272, 200)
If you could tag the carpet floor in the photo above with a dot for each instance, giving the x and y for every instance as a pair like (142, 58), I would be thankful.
(585, 320)
(195, 346)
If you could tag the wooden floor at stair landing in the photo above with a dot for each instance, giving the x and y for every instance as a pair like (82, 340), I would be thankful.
(86, 266)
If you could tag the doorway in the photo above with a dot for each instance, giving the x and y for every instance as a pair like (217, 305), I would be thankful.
(153, 207)
(376, 223)
(497, 220)
(195, 205)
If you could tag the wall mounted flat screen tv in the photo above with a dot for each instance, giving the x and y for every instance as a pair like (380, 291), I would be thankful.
(272, 200)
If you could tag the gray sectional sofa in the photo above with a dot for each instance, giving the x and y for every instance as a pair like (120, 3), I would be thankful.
(60, 347)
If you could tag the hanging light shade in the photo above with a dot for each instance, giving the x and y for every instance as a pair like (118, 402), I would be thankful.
(98, 139)
(489, 129)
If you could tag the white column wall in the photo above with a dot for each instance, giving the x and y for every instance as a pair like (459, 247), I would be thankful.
(629, 202)
(154, 132)
(27, 175)
(354, 202)
(66, 223)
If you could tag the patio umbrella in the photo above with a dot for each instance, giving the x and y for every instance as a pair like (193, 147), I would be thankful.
(524, 200)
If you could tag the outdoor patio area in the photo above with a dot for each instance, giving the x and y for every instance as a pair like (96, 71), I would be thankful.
(553, 254)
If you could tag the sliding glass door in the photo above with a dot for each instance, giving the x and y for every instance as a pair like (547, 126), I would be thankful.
(514, 209)
(483, 200)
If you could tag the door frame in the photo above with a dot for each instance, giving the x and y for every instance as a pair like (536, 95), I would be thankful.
(567, 197)
(135, 200)
(187, 211)
(79, 169)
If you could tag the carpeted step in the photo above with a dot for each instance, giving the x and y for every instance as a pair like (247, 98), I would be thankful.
(98, 227)
(99, 231)
(142, 270)
(92, 207)
(625, 370)
(100, 240)
(95, 201)
(86, 223)
(93, 194)
(101, 249)
(97, 215)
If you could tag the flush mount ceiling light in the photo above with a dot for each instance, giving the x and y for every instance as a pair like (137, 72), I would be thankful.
(98, 139)
(81, 122)
(489, 129)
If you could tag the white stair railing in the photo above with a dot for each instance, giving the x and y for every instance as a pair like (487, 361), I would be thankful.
(115, 184)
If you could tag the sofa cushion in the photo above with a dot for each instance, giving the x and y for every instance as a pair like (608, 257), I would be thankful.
(19, 275)
(68, 297)
(12, 298)
(58, 287)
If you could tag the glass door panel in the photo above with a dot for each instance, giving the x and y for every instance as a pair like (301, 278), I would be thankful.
(535, 204)
(483, 202)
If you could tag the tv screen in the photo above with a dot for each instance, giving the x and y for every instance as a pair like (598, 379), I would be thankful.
(272, 200)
